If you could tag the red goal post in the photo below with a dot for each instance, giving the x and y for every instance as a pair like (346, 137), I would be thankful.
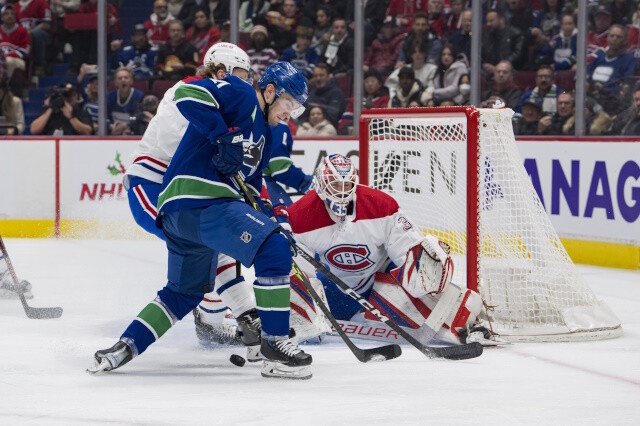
(456, 172)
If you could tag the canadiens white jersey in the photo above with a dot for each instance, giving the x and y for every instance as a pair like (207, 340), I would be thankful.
(160, 141)
(373, 234)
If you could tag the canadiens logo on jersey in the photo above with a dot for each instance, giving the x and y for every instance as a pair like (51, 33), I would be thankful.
(349, 257)
(253, 153)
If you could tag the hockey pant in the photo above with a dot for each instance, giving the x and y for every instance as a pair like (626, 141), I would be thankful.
(195, 238)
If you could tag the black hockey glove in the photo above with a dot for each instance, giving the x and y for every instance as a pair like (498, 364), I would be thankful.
(230, 153)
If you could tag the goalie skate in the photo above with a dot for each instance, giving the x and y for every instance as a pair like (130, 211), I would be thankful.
(284, 359)
(481, 335)
(112, 358)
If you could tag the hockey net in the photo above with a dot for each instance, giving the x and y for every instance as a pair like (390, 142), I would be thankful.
(456, 172)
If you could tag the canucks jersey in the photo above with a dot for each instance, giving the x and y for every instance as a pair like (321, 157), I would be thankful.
(211, 107)
(373, 234)
(281, 168)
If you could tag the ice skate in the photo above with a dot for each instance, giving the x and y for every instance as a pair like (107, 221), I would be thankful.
(481, 335)
(249, 329)
(284, 359)
(225, 333)
(112, 358)
(8, 291)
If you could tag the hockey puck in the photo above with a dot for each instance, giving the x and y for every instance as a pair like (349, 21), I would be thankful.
(237, 360)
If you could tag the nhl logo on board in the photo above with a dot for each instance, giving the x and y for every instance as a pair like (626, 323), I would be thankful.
(245, 237)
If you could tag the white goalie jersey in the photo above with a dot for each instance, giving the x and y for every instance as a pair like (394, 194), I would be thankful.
(355, 248)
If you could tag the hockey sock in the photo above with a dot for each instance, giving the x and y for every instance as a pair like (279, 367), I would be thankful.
(271, 287)
(157, 317)
(234, 291)
(272, 301)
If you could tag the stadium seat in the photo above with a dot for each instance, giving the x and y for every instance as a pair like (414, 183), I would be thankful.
(161, 86)
(344, 83)
(244, 40)
(566, 80)
(525, 80)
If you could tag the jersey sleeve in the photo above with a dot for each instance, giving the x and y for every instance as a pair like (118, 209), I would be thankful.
(402, 235)
(200, 104)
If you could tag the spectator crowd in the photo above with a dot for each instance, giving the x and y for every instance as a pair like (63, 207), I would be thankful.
(417, 54)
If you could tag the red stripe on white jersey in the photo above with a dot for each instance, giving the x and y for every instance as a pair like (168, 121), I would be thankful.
(223, 268)
(153, 162)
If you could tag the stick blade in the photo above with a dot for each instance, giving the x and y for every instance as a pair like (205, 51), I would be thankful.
(382, 353)
(458, 352)
(44, 313)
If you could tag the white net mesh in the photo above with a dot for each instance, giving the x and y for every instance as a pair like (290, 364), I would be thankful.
(524, 272)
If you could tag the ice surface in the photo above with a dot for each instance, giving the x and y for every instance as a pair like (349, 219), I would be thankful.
(103, 284)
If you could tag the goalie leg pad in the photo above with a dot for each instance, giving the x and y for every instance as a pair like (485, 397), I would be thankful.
(428, 267)
(396, 303)
(307, 320)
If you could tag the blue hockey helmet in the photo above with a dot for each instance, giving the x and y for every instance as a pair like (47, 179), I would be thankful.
(287, 79)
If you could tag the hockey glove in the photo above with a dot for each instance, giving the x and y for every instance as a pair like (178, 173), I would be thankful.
(230, 153)
(428, 268)
(282, 217)
(306, 184)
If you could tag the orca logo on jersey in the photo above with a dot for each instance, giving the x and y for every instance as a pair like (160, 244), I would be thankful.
(253, 153)
(348, 257)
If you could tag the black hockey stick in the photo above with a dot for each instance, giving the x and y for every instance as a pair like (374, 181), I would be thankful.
(457, 352)
(381, 353)
(34, 313)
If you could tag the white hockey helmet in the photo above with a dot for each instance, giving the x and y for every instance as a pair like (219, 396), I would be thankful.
(228, 54)
(335, 182)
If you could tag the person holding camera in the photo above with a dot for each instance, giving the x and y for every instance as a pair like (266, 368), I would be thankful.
(62, 115)
(146, 111)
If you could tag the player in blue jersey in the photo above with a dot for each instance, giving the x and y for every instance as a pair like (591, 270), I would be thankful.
(202, 213)
(212, 320)
(281, 170)
(143, 181)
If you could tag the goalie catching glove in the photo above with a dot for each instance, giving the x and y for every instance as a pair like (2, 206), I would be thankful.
(428, 268)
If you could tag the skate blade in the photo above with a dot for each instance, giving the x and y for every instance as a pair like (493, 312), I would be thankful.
(281, 371)
(493, 342)
(253, 353)
(99, 367)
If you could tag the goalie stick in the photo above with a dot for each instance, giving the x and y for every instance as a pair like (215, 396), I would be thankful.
(457, 352)
(381, 353)
(34, 313)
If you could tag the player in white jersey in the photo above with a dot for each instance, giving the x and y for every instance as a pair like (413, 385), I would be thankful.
(363, 237)
(143, 180)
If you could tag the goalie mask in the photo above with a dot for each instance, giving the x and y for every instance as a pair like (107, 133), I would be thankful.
(335, 182)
